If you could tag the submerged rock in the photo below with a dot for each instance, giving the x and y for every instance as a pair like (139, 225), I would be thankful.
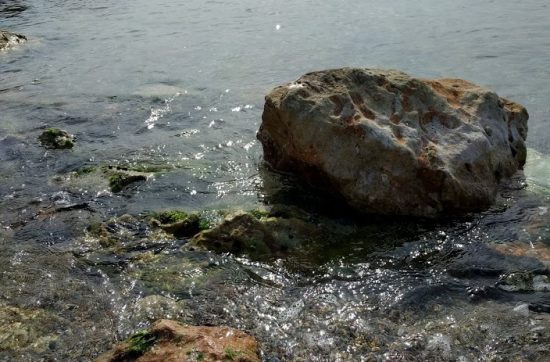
(9, 39)
(179, 223)
(171, 341)
(124, 234)
(257, 234)
(524, 282)
(392, 144)
(26, 329)
(103, 177)
(155, 307)
(537, 251)
(56, 138)
(119, 179)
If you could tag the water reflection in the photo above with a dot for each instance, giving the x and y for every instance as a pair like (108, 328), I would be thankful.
(367, 288)
(12, 8)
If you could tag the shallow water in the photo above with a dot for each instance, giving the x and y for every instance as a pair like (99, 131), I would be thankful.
(179, 86)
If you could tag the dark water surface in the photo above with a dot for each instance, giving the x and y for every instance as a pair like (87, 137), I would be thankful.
(178, 86)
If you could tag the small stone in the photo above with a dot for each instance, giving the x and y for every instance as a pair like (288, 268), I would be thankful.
(257, 234)
(440, 343)
(9, 39)
(522, 310)
(517, 282)
(56, 138)
(541, 283)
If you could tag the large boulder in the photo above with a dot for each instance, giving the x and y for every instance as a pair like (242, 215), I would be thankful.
(393, 144)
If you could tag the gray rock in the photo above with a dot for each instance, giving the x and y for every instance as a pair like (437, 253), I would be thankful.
(392, 144)
(522, 310)
(541, 283)
(524, 282)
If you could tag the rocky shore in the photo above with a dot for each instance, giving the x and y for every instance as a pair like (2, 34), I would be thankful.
(291, 280)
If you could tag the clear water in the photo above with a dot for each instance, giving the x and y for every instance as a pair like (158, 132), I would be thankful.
(180, 85)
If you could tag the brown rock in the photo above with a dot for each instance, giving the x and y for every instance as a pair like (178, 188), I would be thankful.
(392, 144)
(538, 251)
(168, 340)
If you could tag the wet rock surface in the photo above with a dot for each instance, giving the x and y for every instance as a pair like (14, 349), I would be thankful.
(416, 310)
(9, 39)
(179, 223)
(524, 282)
(240, 233)
(264, 235)
(26, 328)
(326, 284)
(103, 177)
(171, 341)
(392, 144)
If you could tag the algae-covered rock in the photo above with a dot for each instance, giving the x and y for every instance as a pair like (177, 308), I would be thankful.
(125, 233)
(102, 177)
(168, 340)
(524, 282)
(56, 138)
(238, 233)
(392, 144)
(257, 234)
(118, 180)
(9, 39)
(26, 329)
(179, 223)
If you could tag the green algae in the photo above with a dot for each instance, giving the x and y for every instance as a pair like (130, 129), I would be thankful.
(231, 354)
(171, 216)
(140, 343)
(86, 170)
(119, 180)
(259, 213)
(56, 138)
(180, 223)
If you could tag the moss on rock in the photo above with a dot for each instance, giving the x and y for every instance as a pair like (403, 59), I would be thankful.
(118, 180)
(140, 343)
(125, 233)
(259, 213)
(171, 216)
(55, 138)
(180, 223)
(257, 234)
(26, 328)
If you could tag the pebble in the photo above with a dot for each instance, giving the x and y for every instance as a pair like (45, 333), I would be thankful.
(522, 309)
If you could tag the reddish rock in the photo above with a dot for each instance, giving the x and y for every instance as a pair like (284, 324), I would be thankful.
(168, 340)
(393, 144)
